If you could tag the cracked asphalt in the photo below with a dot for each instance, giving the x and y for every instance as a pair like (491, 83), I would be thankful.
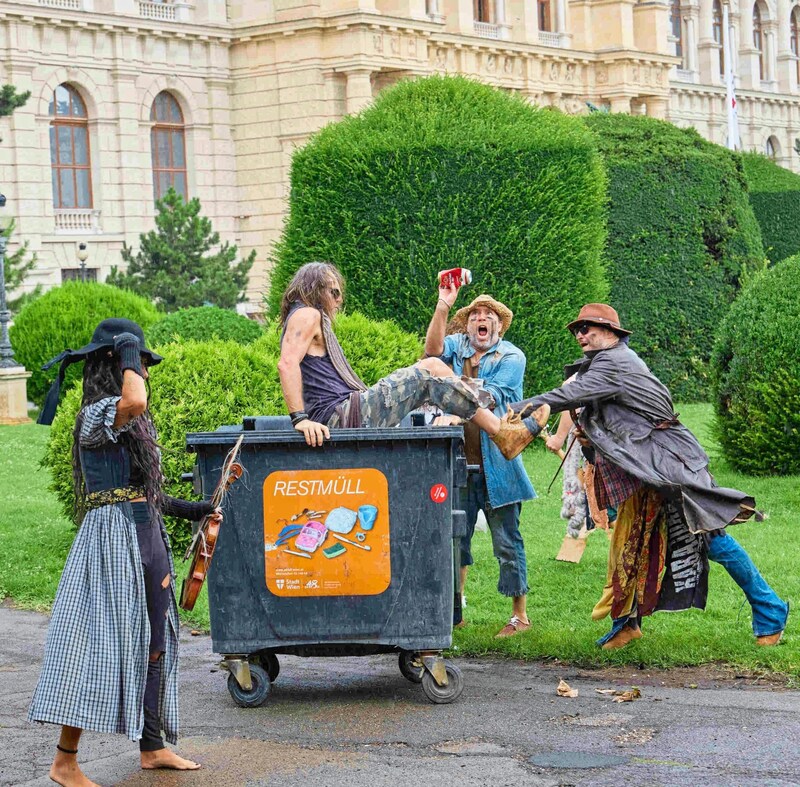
(359, 723)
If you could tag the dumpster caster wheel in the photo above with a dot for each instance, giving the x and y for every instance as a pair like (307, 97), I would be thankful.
(441, 695)
(410, 666)
(269, 661)
(257, 695)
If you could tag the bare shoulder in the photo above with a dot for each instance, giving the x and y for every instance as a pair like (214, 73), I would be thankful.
(304, 318)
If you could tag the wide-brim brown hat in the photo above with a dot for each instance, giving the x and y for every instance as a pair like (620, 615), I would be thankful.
(459, 322)
(599, 314)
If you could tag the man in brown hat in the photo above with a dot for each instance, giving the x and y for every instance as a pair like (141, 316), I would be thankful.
(475, 348)
(671, 515)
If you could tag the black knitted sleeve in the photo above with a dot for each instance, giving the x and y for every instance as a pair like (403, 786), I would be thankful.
(186, 509)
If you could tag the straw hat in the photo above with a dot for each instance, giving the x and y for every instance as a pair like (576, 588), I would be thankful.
(459, 322)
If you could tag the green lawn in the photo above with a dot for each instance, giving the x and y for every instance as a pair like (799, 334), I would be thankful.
(35, 539)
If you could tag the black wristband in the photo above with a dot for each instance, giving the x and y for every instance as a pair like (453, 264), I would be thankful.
(297, 416)
(130, 357)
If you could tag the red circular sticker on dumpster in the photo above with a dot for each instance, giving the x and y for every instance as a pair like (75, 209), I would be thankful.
(438, 493)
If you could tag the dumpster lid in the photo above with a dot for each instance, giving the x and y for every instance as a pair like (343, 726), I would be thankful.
(228, 435)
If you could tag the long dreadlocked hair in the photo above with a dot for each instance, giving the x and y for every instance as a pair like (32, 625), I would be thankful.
(310, 286)
(102, 378)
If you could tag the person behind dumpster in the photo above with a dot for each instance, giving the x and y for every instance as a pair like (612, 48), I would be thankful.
(323, 392)
(671, 514)
(475, 348)
(111, 655)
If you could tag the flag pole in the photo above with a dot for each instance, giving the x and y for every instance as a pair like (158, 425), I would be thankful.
(730, 82)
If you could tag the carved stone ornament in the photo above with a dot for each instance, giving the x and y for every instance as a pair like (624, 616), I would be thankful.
(441, 57)
(394, 43)
(602, 75)
(569, 73)
(508, 65)
(377, 42)
(555, 71)
(491, 62)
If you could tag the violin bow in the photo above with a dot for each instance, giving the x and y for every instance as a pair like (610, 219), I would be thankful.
(227, 477)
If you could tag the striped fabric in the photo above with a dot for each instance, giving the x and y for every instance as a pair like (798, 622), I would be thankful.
(95, 661)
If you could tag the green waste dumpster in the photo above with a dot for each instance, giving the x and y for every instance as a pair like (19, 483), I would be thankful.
(342, 550)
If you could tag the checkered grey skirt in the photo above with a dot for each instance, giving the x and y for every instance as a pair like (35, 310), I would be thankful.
(95, 661)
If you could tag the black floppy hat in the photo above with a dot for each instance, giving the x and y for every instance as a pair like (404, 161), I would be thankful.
(102, 339)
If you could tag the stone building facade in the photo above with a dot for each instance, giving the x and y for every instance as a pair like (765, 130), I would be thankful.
(130, 96)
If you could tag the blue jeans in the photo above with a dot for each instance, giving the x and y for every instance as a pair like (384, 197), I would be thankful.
(507, 543)
(769, 612)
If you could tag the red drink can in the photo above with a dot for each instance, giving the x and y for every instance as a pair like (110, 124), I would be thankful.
(455, 277)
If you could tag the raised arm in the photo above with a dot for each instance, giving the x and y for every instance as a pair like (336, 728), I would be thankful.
(134, 392)
(434, 338)
(301, 328)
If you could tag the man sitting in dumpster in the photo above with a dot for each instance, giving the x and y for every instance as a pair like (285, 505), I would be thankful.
(475, 348)
(323, 392)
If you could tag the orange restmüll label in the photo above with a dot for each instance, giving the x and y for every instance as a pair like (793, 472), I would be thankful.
(326, 532)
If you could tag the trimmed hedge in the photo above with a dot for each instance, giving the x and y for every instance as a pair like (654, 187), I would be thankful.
(757, 374)
(775, 197)
(203, 323)
(65, 317)
(200, 386)
(681, 237)
(445, 171)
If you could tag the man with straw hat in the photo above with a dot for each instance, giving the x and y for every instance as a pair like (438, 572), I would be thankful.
(671, 514)
(475, 348)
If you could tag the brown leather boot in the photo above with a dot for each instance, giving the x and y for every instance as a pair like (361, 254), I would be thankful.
(514, 435)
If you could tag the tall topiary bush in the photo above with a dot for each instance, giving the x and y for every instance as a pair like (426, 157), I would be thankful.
(775, 197)
(65, 317)
(681, 237)
(756, 366)
(203, 323)
(200, 386)
(443, 172)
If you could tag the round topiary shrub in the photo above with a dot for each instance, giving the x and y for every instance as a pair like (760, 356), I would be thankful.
(375, 348)
(200, 386)
(775, 197)
(65, 317)
(756, 365)
(203, 323)
(681, 235)
(443, 172)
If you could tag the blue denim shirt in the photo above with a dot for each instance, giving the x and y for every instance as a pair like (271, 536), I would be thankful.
(502, 369)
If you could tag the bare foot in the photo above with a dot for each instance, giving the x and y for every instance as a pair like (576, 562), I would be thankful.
(166, 758)
(66, 772)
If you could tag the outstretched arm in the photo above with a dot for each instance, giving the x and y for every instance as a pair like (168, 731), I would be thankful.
(301, 328)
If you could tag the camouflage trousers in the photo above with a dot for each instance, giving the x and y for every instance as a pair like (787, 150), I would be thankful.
(392, 398)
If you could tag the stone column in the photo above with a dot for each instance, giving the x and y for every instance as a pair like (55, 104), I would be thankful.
(500, 19)
(657, 107)
(359, 89)
(14, 396)
(620, 104)
(690, 55)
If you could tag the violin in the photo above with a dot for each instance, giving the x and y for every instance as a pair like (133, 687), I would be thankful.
(204, 542)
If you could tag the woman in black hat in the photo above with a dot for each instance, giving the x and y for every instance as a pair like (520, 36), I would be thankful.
(110, 662)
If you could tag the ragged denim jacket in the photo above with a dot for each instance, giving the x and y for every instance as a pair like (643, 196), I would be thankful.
(502, 369)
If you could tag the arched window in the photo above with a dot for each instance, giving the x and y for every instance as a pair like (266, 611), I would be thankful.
(545, 19)
(168, 144)
(772, 148)
(758, 39)
(677, 27)
(795, 40)
(716, 26)
(69, 150)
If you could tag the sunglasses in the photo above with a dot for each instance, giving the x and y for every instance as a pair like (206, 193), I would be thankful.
(336, 293)
(583, 328)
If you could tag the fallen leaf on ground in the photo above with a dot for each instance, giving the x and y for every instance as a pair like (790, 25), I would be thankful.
(622, 696)
(628, 696)
(564, 690)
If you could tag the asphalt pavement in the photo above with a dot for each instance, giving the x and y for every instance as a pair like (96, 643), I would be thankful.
(357, 722)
